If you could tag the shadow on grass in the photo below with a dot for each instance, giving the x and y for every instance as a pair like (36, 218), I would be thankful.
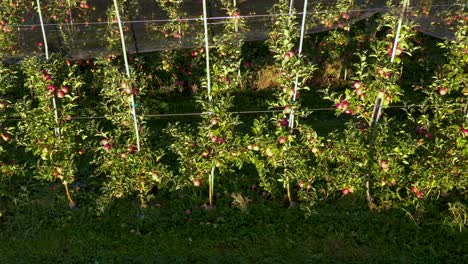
(342, 230)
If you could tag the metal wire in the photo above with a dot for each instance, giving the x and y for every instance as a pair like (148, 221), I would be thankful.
(307, 110)
(377, 9)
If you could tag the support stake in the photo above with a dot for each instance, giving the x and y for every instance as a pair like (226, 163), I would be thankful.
(127, 70)
(301, 42)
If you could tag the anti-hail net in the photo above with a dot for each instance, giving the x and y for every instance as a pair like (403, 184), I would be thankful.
(88, 28)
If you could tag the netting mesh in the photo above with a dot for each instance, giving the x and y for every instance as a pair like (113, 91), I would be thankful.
(85, 29)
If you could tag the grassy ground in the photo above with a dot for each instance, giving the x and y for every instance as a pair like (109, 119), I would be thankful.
(40, 228)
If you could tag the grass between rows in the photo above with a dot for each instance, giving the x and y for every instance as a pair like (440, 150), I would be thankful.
(44, 230)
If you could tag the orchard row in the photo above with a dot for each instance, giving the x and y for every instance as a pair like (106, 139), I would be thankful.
(418, 156)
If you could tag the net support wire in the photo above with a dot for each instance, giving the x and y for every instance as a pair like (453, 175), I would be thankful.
(296, 82)
(46, 48)
(127, 70)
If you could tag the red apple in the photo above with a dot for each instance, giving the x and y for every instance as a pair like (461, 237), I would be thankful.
(284, 122)
(384, 165)
(6, 136)
(443, 91)
(131, 149)
(107, 147)
(82, 151)
(282, 140)
(51, 88)
(2, 104)
(197, 182)
(104, 141)
(214, 121)
(357, 85)
(464, 131)
(60, 94)
(288, 55)
(300, 184)
(254, 187)
(344, 104)
(65, 89)
(345, 191)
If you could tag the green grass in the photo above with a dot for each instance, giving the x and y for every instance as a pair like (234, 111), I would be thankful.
(41, 229)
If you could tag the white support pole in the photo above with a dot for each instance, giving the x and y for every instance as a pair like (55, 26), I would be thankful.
(44, 37)
(127, 69)
(210, 98)
(400, 22)
(236, 24)
(291, 5)
(46, 47)
(207, 50)
(301, 42)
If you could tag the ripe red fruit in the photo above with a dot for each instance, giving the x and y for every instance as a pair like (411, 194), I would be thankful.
(288, 55)
(357, 85)
(81, 151)
(214, 121)
(60, 94)
(131, 149)
(220, 140)
(345, 191)
(194, 54)
(414, 189)
(282, 140)
(254, 187)
(65, 89)
(107, 147)
(428, 135)
(197, 182)
(6, 136)
(384, 165)
(2, 104)
(51, 88)
(419, 194)
(300, 184)
(250, 147)
(344, 104)
(464, 131)
(443, 91)
(284, 122)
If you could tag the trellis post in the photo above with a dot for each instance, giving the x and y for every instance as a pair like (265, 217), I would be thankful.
(291, 5)
(127, 70)
(46, 48)
(208, 82)
(397, 36)
(301, 42)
